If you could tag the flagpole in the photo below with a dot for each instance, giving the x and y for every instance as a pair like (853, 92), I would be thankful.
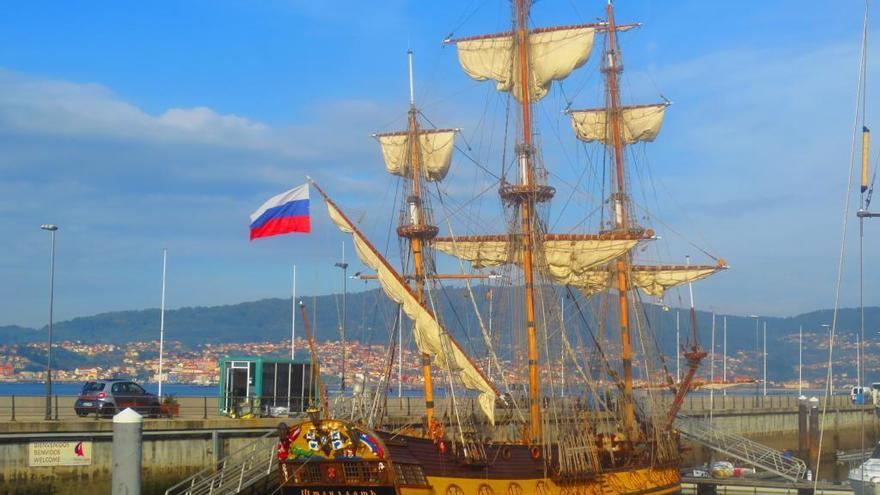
(162, 318)
(725, 356)
(293, 316)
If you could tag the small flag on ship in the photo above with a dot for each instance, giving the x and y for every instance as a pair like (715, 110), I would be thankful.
(282, 214)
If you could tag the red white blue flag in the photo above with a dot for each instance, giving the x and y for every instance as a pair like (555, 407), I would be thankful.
(282, 214)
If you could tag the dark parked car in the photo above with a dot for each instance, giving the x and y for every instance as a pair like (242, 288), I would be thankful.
(107, 397)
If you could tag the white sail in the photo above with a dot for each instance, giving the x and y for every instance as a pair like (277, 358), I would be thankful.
(656, 280)
(553, 55)
(566, 256)
(435, 152)
(430, 337)
(653, 280)
(638, 123)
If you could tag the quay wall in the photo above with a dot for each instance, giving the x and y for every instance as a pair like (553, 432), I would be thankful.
(198, 438)
(172, 450)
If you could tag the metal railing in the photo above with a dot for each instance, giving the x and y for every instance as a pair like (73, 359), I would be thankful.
(32, 408)
(240, 470)
(738, 447)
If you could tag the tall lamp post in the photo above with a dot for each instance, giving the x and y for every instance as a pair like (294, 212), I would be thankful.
(52, 229)
(344, 266)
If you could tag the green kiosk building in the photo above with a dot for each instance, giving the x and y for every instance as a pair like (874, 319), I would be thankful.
(264, 386)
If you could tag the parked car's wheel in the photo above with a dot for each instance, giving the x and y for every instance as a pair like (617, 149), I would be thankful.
(107, 411)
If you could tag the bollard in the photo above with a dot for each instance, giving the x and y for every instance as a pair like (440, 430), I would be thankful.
(127, 449)
(814, 433)
(216, 447)
(206, 408)
(56, 407)
(803, 432)
(13, 408)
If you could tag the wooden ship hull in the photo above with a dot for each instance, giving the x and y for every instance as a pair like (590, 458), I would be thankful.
(387, 464)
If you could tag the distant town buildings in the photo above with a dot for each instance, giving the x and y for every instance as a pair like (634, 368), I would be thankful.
(182, 364)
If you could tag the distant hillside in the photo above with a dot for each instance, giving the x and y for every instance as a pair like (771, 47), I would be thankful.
(370, 316)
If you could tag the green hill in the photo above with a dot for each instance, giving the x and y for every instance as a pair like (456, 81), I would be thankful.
(370, 318)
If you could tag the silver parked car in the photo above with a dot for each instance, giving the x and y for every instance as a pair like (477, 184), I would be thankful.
(107, 397)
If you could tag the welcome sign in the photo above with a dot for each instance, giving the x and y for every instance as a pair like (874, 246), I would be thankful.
(76, 453)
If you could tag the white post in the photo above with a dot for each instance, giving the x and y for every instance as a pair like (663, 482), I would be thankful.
(293, 316)
(562, 348)
(712, 371)
(858, 360)
(399, 351)
(162, 319)
(724, 364)
(765, 359)
(800, 360)
(127, 453)
(677, 347)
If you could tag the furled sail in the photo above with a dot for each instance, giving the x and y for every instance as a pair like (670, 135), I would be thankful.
(553, 55)
(435, 152)
(430, 337)
(654, 280)
(638, 123)
(568, 256)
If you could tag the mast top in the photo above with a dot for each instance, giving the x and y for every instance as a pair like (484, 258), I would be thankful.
(412, 96)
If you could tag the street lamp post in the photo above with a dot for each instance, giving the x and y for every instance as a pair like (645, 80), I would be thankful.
(52, 229)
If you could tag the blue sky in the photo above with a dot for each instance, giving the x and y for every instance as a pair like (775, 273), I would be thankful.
(164, 124)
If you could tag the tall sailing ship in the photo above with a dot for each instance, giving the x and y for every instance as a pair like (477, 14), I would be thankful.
(621, 438)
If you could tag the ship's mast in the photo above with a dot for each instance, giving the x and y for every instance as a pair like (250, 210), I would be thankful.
(417, 231)
(526, 203)
(622, 223)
